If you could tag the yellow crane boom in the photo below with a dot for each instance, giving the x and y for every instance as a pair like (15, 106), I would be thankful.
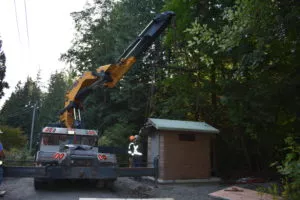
(110, 75)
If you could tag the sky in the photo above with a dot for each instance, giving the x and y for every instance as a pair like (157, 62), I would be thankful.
(50, 30)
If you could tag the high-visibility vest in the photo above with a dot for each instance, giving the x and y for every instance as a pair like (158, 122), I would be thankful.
(133, 149)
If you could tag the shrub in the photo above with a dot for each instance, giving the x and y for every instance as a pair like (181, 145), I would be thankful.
(12, 138)
(290, 168)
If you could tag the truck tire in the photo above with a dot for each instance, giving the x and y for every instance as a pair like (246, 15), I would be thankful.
(39, 184)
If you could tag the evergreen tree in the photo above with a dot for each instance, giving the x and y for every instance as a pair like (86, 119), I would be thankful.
(3, 84)
(17, 110)
(53, 100)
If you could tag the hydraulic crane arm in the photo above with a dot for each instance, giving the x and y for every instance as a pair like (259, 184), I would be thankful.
(110, 75)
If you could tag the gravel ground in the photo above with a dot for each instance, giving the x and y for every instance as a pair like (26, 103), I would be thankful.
(147, 189)
(197, 191)
(22, 189)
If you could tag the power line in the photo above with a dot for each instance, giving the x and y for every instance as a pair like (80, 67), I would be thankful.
(16, 13)
(25, 7)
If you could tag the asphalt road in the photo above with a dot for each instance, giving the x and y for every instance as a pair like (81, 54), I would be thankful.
(23, 189)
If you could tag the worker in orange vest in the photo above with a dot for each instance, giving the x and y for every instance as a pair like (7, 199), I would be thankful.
(131, 139)
(133, 151)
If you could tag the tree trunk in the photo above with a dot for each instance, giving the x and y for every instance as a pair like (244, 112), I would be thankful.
(213, 85)
(245, 150)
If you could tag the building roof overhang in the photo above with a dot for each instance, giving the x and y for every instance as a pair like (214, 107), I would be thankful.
(179, 125)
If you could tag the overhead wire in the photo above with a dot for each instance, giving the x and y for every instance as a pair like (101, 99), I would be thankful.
(16, 14)
(24, 110)
(25, 7)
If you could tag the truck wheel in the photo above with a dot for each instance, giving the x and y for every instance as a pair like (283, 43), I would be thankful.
(38, 184)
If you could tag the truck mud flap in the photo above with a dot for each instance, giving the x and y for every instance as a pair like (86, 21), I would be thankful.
(24, 171)
(136, 172)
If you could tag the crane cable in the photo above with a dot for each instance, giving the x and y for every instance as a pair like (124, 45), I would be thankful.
(153, 85)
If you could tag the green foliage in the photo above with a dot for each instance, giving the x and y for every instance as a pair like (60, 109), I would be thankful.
(3, 84)
(12, 138)
(176, 93)
(17, 110)
(273, 190)
(53, 100)
(17, 154)
(18, 157)
(117, 134)
(290, 168)
(242, 75)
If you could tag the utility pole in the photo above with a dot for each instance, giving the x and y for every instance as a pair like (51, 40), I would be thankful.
(32, 126)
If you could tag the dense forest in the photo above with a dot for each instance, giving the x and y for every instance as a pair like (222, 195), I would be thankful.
(230, 63)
